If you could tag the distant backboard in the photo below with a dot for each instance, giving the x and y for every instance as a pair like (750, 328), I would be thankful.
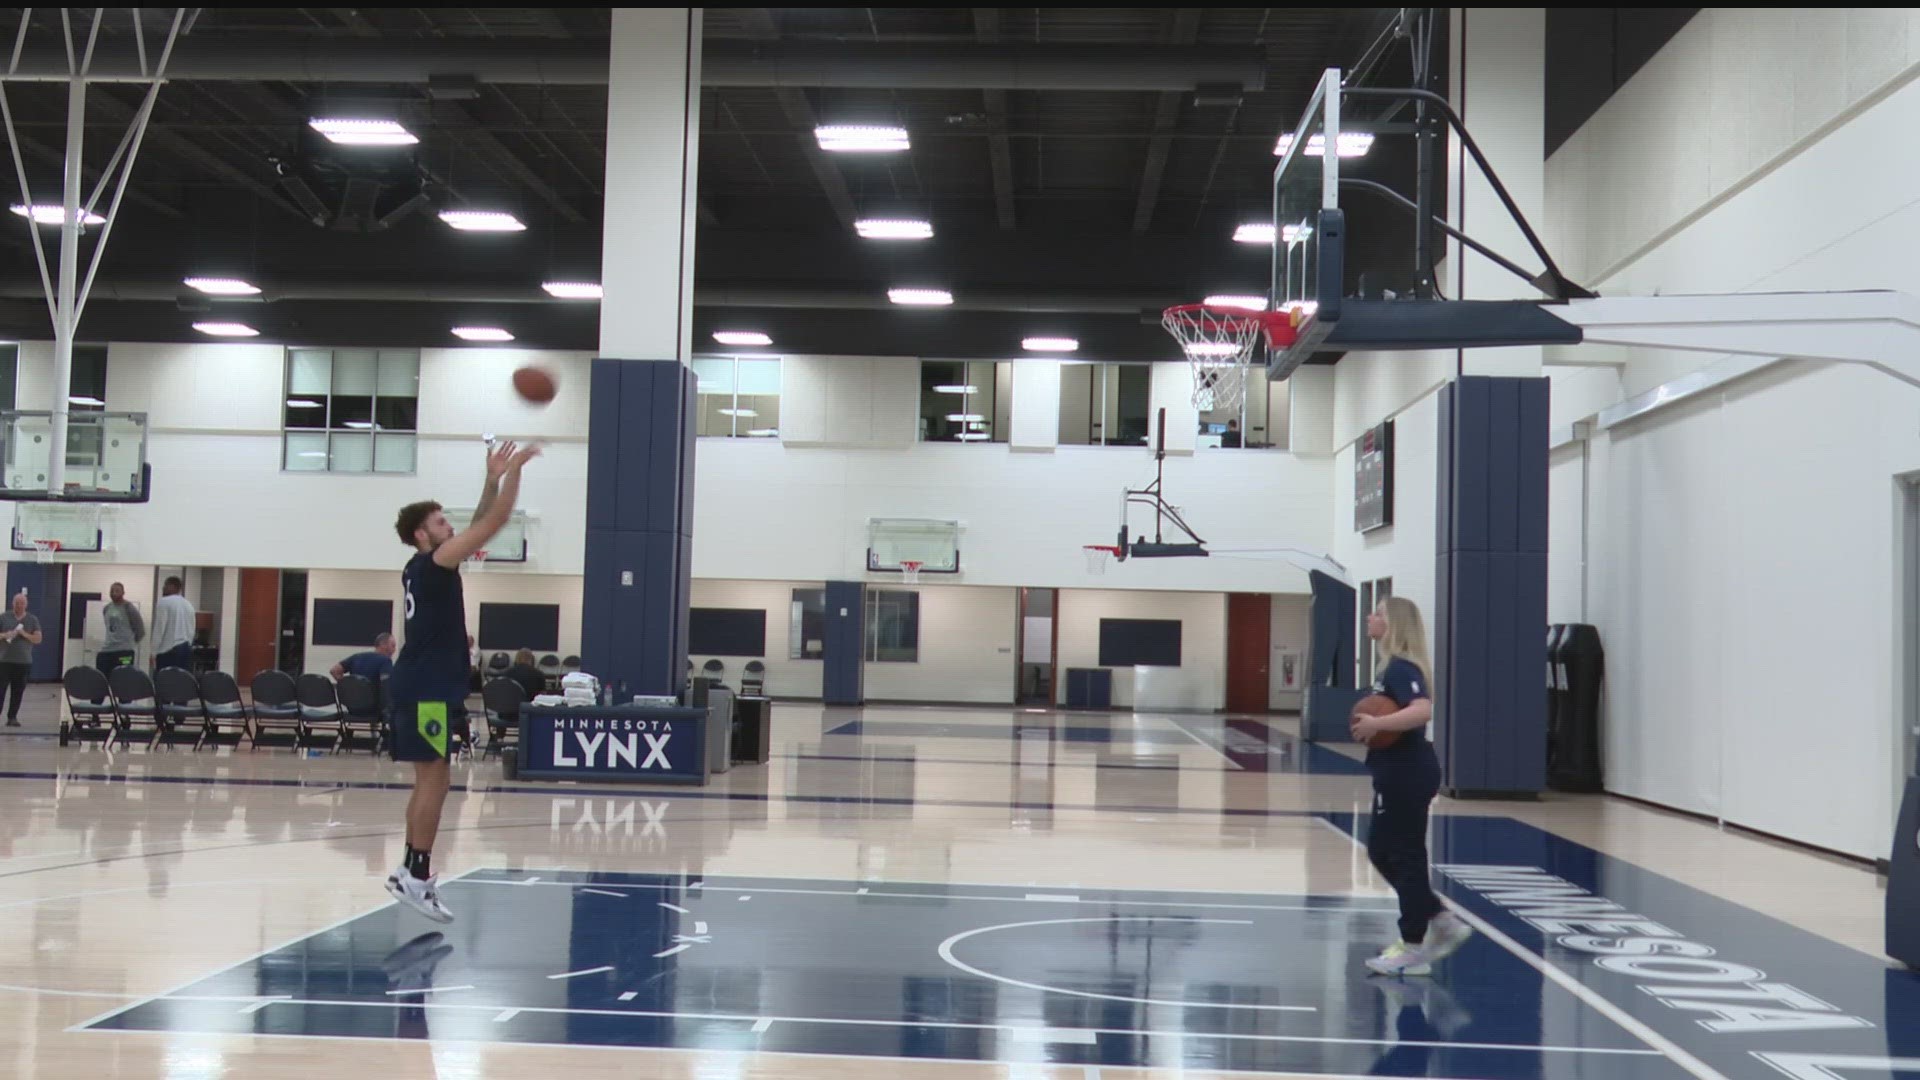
(106, 456)
(935, 545)
(509, 545)
(78, 528)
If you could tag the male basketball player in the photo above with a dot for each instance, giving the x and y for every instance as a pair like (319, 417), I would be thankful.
(428, 688)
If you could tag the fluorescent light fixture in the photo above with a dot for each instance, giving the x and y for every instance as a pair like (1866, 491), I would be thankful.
(893, 229)
(956, 388)
(311, 453)
(1212, 348)
(362, 425)
(861, 138)
(482, 221)
(971, 436)
(1237, 300)
(763, 432)
(346, 131)
(82, 400)
(965, 417)
(300, 404)
(738, 412)
(1304, 307)
(741, 337)
(1293, 234)
(481, 333)
(1050, 344)
(222, 286)
(1350, 144)
(573, 290)
(920, 297)
(45, 214)
(226, 329)
(1262, 232)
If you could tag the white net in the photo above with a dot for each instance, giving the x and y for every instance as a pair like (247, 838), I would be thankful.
(910, 572)
(1097, 558)
(1219, 345)
(45, 550)
(477, 560)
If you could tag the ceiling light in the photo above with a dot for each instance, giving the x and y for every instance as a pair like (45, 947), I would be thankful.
(956, 388)
(741, 337)
(481, 333)
(482, 221)
(573, 290)
(763, 432)
(965, 418)
(82, 400)
(1050, 344)
(1213, 348)
(1261, 232)
(362, 425)
(300, 404)
(1351, 144)
(222, 286)
(45, 214)
(226, 329)
(1236, 300)
(737, 412)
(350, 132)
(920, 297)
(893, 229)
(972, 436)
(861, 138)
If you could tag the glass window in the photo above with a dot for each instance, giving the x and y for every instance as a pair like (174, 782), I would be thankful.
(1105, 404)
(9, 374)
(965, 402)
(893, 626)
(807, 627)
(1260, 422)
(87, 383)
(739, 397)
(351, 410)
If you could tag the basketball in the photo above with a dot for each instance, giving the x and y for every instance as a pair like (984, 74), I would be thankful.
(1378, 705)
(535, 384)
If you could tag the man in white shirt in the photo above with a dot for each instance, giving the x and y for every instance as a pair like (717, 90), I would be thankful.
(173, 627)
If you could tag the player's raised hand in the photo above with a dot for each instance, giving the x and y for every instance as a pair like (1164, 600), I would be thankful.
(499, 459)
(522, 455)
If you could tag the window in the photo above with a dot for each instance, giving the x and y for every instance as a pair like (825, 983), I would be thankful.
(893, 626)
(739, 396)
(9, 374)
(965, 402)
(1105, 404)
(1260, 422)
(1372, 595)
(351, 410)
(87, 382)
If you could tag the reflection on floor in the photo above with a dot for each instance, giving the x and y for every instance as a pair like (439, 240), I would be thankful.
(907, 892)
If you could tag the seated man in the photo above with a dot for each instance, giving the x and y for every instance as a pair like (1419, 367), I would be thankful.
(530, 677)
(372, 666)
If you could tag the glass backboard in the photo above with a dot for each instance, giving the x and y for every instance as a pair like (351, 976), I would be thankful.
(1308, 244)
(106, 456)
(935, 545)
(509, 545)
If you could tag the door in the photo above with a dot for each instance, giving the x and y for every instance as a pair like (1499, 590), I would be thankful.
(259, 643)
(1036, 640)
(1249, 645)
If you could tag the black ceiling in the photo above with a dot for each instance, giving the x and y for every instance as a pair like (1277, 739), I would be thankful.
(1073, 211)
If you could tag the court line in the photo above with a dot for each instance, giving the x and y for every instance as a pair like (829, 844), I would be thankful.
(582, 971)
(1665, 1046)
(1189, 734)
(995, 763)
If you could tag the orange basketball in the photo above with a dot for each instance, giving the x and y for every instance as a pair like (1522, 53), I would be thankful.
(1378, 705)
(535, 384)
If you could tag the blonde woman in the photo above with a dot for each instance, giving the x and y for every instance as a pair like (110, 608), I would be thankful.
(1406, 777)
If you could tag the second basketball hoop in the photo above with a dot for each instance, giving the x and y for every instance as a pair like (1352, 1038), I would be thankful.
(1219, 344)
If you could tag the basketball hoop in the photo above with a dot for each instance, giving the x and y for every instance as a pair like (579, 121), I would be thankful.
(1098, 556)
(478, 560)
(910, 571)
(1218, 343)
(45, 550)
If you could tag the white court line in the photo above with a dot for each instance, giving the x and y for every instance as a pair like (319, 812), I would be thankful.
(1660, 1043)
(583, 971)
(1053, 898)
(840, 1022)
(506, 1015)
(629, 995)
(261, 1004)
(762, 1025)
(603, 892)
(1027, 898)
(663, 954)
(421, 990)
(1222, 754)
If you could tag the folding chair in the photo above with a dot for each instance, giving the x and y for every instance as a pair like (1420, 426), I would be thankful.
(134, 704)
(320, 708)
(226, 712)
(753, 679)
(276, 707)
(360, 708)
(182, 716)
(502, 698)
(89, 706)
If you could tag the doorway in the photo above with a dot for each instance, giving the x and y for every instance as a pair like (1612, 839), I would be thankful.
(1249, 651)
(259, 646)
(1372, 595)
(1037, 641)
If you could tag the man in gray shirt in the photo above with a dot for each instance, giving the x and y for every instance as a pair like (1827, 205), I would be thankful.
(124, 630)
(173, 628)
(19, 633)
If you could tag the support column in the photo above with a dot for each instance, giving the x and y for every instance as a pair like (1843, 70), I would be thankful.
(640, 440)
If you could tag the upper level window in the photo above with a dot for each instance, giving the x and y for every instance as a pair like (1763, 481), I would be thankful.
(1105, 404)
(351, 410)
(965, 402)
(739, 396)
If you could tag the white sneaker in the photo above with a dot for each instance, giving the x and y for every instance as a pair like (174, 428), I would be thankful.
(421, 896)
(1445, 934)
(1400, 958)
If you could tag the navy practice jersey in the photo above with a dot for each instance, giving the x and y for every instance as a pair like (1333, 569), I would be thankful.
(1401, 680)
(433, 663)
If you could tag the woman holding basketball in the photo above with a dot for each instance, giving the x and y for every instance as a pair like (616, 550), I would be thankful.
(1406, 777)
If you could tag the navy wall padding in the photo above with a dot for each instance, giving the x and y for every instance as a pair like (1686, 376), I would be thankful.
(46, 585)
(640, 452)
(843, 680)
(1490, 610)
(1330, 640)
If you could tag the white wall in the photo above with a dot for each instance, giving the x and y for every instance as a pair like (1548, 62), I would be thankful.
(1292, 631)
(966, 650)
(1404, 551)
(99, 578)
(483, 587)
(1203, 640)
(1566, 530)
(786, 678)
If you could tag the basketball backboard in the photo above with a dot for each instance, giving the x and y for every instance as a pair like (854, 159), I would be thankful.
(934, 544)
(509, 545)
(106, 456)
(78, 528)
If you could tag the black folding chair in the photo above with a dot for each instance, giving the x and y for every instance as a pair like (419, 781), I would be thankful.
(320, 708)
(502, 698)
(182, 716)
(360, 708)
(226, 712)
(89, 706)
(276, 708)
(134, 704)
(753, 679)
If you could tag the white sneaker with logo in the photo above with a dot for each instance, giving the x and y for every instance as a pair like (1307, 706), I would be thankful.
(421, 896)
(1445, 934)
(1400, 958)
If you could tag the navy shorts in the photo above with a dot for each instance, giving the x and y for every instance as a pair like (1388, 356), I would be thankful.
(420, 731)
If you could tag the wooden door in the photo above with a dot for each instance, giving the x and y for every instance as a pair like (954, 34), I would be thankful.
(1249, 646)
(259, 629)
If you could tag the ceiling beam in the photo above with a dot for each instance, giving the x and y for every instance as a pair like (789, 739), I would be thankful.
(514, 164)
(1186, 30)
(986, 28)
(52, 156)
(759, 22)
(181, 147)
